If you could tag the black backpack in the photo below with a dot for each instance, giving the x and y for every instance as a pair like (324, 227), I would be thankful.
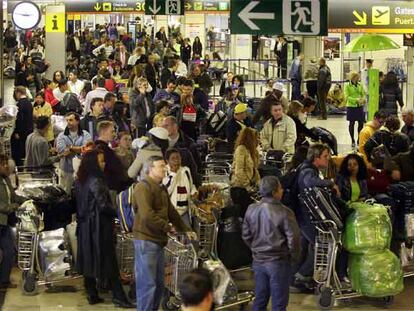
(70, 103)
(290, 186)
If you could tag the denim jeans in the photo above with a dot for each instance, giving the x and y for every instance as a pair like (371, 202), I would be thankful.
(272, 280)
(149, 274)
(9, 253)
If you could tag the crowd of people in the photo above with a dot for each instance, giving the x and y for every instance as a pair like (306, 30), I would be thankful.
(136, 113)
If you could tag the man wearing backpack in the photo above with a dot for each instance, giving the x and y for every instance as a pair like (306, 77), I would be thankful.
(153, 219)
(309, 177)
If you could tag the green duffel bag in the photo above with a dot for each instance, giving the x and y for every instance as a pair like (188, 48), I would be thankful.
(367, 229)
(376, 274)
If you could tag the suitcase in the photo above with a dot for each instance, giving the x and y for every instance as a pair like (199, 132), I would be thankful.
(321, 206)
(403, 192)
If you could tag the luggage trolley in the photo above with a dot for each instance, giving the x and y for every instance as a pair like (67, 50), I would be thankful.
(180, 258)
(45, 257)
(217, 167)
(206, 226)
(7, 121)
(328, 224)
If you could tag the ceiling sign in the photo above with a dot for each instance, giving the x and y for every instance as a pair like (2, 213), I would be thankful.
(371, 16)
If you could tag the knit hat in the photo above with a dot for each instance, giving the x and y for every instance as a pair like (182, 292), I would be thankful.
(267, 186)
(159, 132)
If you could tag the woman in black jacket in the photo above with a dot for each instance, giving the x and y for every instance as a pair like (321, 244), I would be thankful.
(390, 94)
(197, 48)
(119, 115)
(186, 51)
(95, 214)
(295, 108)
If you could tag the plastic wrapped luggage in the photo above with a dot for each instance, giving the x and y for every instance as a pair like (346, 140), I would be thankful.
(376, 274)
(225, 290)
(321, 205)
(367, 229)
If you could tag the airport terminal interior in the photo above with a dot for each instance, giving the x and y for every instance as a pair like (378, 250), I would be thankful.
(205, 155)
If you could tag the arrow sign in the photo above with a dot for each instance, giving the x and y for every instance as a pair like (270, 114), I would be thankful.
(362, 20)
(246, 15)
(97, 7)
(154, 9)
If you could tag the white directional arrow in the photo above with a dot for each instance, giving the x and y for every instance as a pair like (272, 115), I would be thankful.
(246, 15)
(154, 9)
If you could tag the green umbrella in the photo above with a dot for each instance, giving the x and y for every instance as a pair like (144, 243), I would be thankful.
(370, 42)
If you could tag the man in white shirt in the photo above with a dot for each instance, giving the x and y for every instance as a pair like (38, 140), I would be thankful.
(75, 85)
(181, 69)
(107, 46)
(61, 90)
(121, 30)
(99, 91)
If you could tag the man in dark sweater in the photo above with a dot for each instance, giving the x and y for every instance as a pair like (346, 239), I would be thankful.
(237, 123)
(92, 118)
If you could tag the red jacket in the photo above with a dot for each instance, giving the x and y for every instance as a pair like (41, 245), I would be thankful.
(50, 98)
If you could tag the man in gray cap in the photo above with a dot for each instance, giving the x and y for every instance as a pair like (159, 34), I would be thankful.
(272, 233)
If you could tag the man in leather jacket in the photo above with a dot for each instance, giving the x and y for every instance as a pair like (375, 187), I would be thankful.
(272, 233)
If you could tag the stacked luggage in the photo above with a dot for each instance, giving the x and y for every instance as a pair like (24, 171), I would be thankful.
(373, 269)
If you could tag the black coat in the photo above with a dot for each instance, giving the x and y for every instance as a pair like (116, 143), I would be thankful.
(166, 75)
(389, 96)
(151, 72)
(198, 48)
(95, 215)
(24, 118)
(185, 54)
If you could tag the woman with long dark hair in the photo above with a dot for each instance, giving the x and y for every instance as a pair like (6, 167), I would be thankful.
(390, 94)
(119, 115)
(197, 47)
(352, 178)
(95, 214)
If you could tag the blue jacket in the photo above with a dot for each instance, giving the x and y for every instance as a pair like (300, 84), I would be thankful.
(344, 185)
(64, 141)
(309, 177)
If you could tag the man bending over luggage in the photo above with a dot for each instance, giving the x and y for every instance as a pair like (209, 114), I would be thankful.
(271, 232)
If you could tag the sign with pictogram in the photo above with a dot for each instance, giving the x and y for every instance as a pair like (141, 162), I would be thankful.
(293, 17)
(55, 22)
(379, 16)
(164, 7)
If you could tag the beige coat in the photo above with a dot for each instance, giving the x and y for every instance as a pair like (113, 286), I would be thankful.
(279, 136)
(245, 172)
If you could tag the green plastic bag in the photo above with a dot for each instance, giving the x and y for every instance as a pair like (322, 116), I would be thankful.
(367, 229)
(376, 274)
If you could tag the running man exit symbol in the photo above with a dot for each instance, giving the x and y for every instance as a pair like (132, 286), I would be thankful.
(301, 17)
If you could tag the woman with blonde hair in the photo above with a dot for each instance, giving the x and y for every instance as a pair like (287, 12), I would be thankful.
(245, 168)
(355, 101)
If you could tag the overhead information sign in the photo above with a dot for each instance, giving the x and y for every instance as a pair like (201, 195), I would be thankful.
(164, 7)
(289, 17)
(216, 6)
(371, 16)
(101, 6)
